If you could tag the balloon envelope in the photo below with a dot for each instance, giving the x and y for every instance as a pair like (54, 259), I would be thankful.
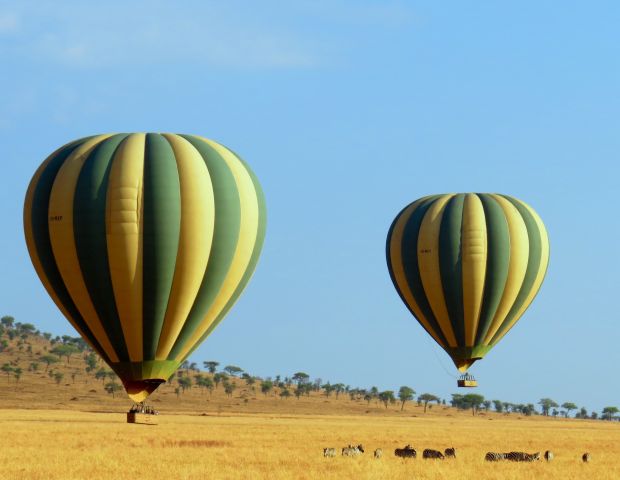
(467, 266)
(144, 242)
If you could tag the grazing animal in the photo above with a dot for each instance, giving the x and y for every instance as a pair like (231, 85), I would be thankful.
(378, 453)
(586, 457)
(522, 456)
(351, 451)
(407, 452)
(494, 457)
(549, 455)
(329, 452)
(450, 452)
(434, 454)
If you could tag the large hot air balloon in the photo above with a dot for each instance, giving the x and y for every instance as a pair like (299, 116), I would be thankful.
(144, 242)
(467, 266)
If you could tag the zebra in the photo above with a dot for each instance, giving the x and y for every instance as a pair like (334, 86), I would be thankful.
(378, 453)
(522, 456)
(329, 452)
(586, 457)
(351, 451)
(407, 452)
(494, 457)
(450, 452)
(430, 453)
(549, 455)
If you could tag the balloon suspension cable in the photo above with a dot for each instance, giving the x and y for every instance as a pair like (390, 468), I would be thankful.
(442, 365)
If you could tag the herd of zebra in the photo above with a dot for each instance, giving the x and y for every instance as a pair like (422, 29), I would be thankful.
(409, 452)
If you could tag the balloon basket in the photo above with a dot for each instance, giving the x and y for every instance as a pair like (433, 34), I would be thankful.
(142, 418)
(467, 381)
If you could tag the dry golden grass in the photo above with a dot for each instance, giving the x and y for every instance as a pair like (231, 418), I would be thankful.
(54, 444)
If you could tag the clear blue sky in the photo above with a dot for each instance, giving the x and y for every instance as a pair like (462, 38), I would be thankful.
(348, 110)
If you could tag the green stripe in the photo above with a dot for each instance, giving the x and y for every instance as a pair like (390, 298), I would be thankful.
(498, 262)
(450, 264)
(89, 228)
(258, 246)
(161, 227)
(533, 265)
(225, 238)
(43, 246)
(409, 248)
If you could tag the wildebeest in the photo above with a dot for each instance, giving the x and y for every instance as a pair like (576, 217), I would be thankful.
(549, 455)
(586, 457)
(494, 456)
(378, 453)
(434, 454)
(450, 452)
(407, 452)
(522, 456)
(352, 451)
(329, 452)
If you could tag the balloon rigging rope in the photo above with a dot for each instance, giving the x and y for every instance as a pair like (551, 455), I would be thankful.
(441, 363)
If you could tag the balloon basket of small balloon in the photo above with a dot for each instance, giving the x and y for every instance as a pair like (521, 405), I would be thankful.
(466, 381)
(142, 418)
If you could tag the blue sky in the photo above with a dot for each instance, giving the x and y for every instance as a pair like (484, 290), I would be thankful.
(347, 111)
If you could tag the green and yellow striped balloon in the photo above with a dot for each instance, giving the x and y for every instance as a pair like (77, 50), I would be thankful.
(467, 266)
(144, 242)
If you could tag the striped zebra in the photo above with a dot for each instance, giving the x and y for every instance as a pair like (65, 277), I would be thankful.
(329, 452)
(352, 451)
(549, 455)
(522, 456)
(407, 452)
(586, 457)
(378, 453)
(450, 452)
(494, 456)
(434, 454)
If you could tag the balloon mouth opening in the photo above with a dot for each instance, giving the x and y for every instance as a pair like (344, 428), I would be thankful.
(464, 364)
(139, 390)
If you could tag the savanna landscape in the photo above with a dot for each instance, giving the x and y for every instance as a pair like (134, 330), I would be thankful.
(67, 421)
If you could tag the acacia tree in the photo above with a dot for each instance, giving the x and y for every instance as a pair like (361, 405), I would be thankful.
(300, 377)
(8, 369)
(568, 406)
(546, 404)
(386, 397)
(185, 383)
(405, 394)
(474, 400)
(609, 412)
(233, 370)
(266, 386)
(211, 366)
(112, 387)
(426, 398)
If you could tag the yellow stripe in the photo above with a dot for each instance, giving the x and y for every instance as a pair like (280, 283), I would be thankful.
(63, 240)
(247, 238)
(519, 255)
(396, 262)
(124, 238)
(32, 250)
(474, 263)
(428, 259)
(197, 224)
(542, 270)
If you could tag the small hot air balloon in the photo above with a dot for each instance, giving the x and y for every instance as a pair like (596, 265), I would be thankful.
(467, 266)
(144, 242)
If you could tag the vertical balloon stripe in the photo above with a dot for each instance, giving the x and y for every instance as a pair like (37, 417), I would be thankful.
(409, 254)
(36, 226)
(62, 239)
(536, 267)
(225, 238)
(197, 224)
(124, 238)
(247, 238)
(450, 264)
(428, 261)
(519, 254)
(162, 224)
(89, 224)
(395, 252)
(498, 261)
(474, 259)
(258, 246)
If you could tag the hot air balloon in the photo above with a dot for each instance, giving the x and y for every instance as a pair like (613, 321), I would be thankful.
(144, 242)
(467, 266)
